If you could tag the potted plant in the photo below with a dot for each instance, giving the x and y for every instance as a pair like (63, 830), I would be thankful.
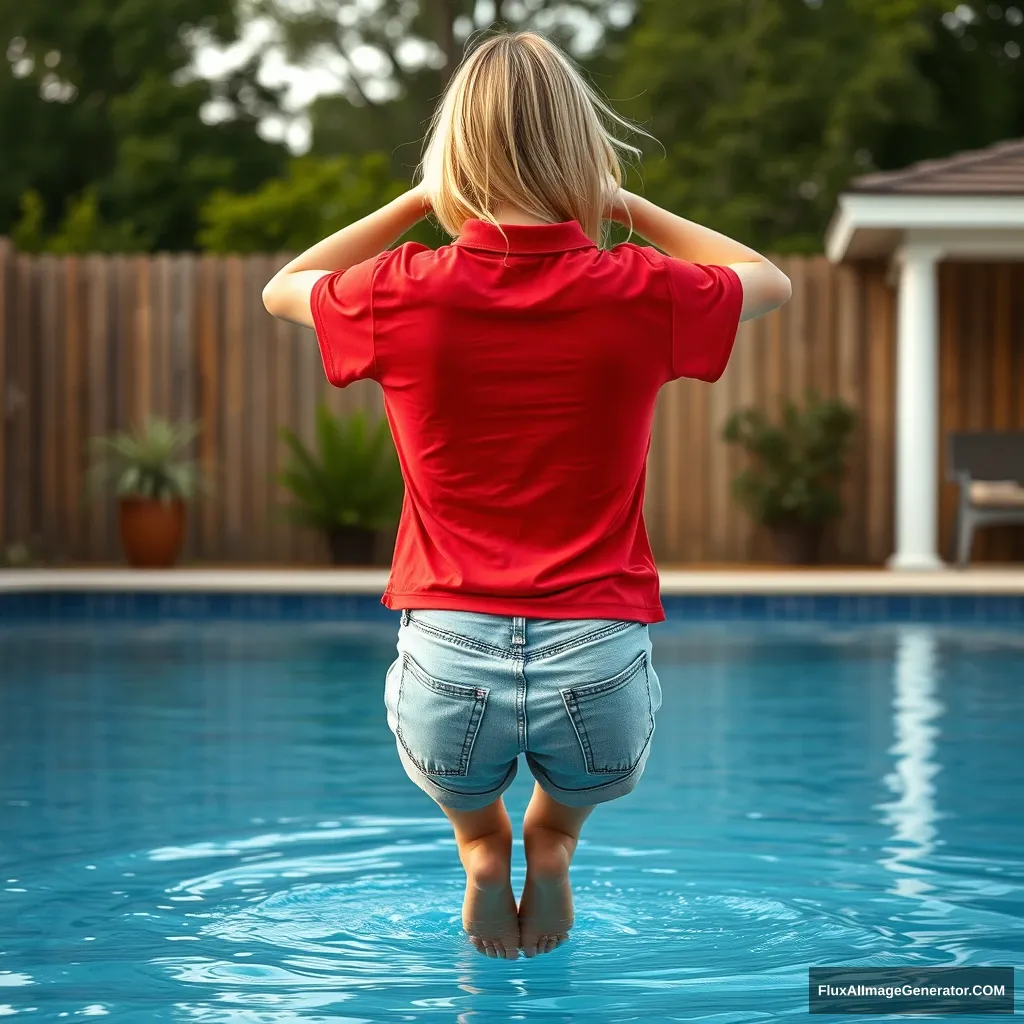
(793, 484)
(350, 488)
(153, 481)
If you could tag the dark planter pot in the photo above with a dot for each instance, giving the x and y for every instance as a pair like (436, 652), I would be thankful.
(352, 545)
(798, 544)
(152, 532)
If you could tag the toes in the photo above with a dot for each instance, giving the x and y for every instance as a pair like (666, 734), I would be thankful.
(529, 951)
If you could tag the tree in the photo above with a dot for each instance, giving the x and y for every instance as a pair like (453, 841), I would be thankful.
(765, 108)
(393, 57)
(99, 112)
(316, 197)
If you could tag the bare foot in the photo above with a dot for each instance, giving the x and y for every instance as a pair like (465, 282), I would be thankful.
(545, 910)
(489, 911)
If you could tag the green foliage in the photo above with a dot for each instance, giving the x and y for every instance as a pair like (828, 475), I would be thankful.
(82, 230)
(100, 116)
(764, 109)
(767, 108)
(353, 478)
(316, 197)
(148, 462)
(798, 463)
(27, 234)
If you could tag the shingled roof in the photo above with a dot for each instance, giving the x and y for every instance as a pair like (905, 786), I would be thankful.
(997, 170)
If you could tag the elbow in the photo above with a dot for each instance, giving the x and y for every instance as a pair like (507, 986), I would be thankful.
(783, 289)
(272, 297)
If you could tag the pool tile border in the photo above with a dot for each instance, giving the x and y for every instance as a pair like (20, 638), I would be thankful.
(156, 606)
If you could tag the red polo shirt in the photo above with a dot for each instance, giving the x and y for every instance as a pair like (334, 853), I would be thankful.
(520, 375)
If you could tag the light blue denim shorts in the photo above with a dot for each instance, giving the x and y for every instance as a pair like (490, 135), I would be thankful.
(469, 692)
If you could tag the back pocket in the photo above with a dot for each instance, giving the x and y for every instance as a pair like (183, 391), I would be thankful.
(613, 719)
(437, 721)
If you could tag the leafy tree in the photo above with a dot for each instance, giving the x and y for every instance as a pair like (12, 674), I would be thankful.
(767, 108)
(974, 67)
(406, 53)
(98, 110)
(316, 197)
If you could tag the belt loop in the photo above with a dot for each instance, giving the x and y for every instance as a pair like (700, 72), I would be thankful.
(518, 630)
(405, 616)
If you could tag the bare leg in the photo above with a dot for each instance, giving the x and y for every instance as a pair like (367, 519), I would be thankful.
(550, 834)
(485, 849)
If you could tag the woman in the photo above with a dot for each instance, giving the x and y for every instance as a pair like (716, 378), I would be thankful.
(520, 367)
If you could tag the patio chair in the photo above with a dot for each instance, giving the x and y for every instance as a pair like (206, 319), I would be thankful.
(990, 471)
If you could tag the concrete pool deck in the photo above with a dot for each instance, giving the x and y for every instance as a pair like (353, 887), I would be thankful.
(674, 580)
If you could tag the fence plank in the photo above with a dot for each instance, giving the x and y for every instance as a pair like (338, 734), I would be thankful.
(98, 272)
(257, 345)
(74, 425)
(231, 341)
(5, 485)
(208, 403)
(51, 419)
(283, 363)
(27, 480)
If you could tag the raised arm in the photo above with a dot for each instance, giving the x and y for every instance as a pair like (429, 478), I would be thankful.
(765, 287)
(287, 293)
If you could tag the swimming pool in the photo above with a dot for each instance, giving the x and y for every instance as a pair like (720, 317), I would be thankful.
(207, 821)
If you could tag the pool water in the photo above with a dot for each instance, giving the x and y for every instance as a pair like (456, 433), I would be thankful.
(208, 822)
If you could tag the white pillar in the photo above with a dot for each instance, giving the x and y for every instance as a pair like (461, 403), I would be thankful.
(917, 415)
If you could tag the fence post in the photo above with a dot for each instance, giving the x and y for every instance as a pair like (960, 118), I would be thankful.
(6, 250)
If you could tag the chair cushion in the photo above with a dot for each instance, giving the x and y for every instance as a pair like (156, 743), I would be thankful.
(997, 493)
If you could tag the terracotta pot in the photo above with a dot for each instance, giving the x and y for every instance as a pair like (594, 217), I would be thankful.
(797, 544)
(352, 545)
(151, 531)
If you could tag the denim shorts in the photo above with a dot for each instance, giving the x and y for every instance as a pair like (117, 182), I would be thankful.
(469, 692)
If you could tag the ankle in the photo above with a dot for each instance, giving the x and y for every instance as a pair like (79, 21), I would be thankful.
(549, 852)
(488, 860)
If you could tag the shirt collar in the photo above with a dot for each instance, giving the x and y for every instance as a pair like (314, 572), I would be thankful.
(524, 238)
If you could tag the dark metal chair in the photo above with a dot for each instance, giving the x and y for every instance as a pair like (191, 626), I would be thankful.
(990, 471)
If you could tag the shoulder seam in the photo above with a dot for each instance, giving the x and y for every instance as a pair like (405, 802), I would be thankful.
(373, 309)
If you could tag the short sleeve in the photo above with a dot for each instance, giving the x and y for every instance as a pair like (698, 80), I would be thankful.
(342, 306)
(706, 305)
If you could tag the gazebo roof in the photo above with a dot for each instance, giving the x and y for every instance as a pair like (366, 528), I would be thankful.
(996, 170)
(969, 205)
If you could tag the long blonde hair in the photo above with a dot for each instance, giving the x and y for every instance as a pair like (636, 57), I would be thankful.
(520, 126)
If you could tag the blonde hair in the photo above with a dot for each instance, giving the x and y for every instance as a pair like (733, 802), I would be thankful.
(519, 126)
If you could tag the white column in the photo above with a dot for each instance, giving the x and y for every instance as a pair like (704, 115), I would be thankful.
(917, 410)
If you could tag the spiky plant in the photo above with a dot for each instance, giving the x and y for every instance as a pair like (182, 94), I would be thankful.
(352, 478)
(148, 462)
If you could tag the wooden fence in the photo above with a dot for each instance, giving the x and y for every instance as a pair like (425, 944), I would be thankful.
(93, 343)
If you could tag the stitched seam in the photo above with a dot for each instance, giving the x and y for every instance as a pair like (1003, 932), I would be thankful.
(569, 645)
(318, 287)
(458, 638)
(604, 785)
(526, 252)
(462, 770)
(606, 686)
(572, 704)
(373, 312)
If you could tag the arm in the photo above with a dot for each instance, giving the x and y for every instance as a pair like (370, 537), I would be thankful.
(287, 293)
(765, 287)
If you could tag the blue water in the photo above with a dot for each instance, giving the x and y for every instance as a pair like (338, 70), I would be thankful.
(208, 822)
